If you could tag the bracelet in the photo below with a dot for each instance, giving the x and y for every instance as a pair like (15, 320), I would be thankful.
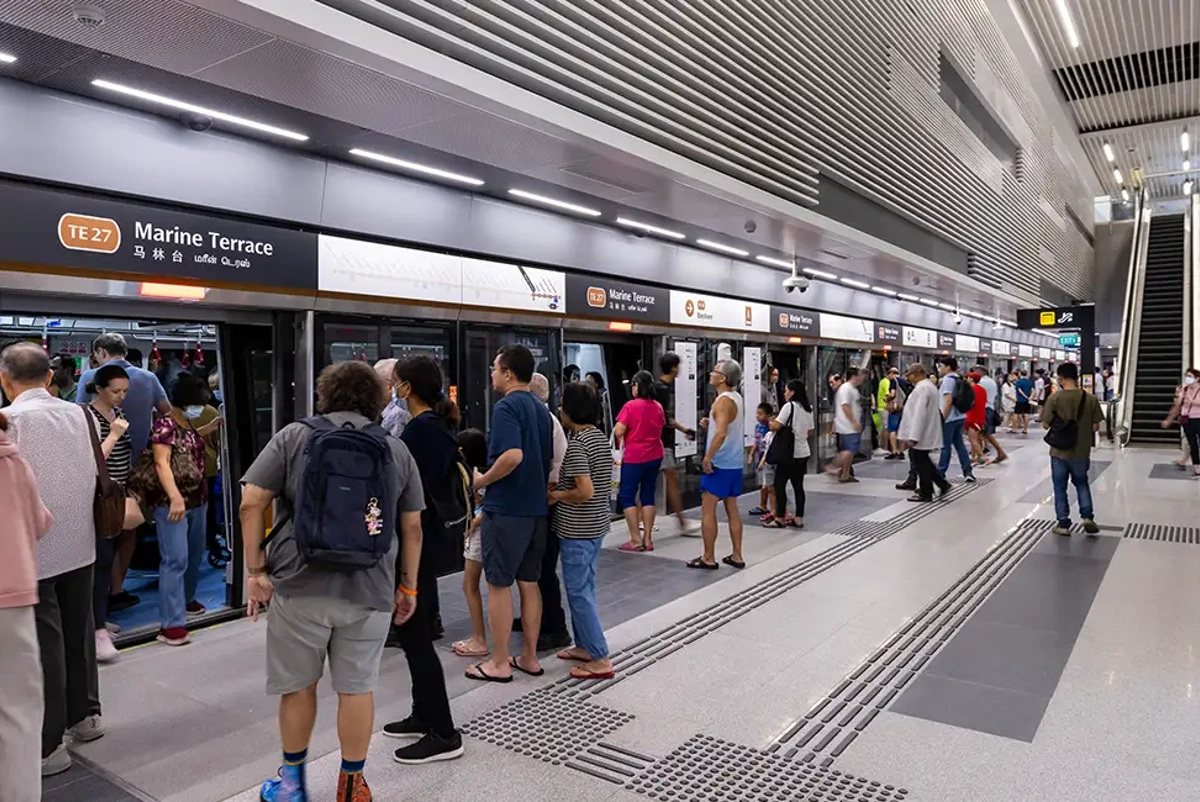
(256, 571)
(407, 592)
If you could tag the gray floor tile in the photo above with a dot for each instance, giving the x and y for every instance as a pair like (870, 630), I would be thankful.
(1169, 470)
(998, 711)
(1046, 592)
(1006, 656)
(81, 783)
(823, 511)
(1085, 548)
(1046, 489)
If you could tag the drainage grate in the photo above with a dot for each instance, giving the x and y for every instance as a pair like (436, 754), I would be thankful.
(877, 530)
(833, 724)
(707, 768)
(1168, 534)
(547, 726)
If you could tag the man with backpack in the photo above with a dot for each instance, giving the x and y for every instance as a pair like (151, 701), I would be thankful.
(329, 571)
(958, 397)
(1072, 417)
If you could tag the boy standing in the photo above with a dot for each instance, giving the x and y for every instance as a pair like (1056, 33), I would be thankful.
(758, 457)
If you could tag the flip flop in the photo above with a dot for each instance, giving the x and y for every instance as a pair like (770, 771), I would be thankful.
(579, 672)
(563, 655)
(460, 648)
(732, 562)
(627, 546)
(648, 547)
(512, 661)
(699, 563)
(483, 676)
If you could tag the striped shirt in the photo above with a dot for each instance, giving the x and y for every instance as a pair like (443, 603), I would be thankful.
(53, 438)
(588, 454)
(120, 461)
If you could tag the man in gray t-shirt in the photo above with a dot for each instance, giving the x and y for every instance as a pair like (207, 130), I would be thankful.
(317, 612)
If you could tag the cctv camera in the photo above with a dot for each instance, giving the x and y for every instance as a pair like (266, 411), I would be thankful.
(794, 282)
(197, 122)
(957, 319)
(751, 226)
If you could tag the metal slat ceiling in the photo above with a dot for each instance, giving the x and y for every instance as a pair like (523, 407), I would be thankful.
(778, 93)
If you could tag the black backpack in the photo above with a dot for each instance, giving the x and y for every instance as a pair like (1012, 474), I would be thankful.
(964, 394)
(783, 445)
(1064, 434)
(448, 504)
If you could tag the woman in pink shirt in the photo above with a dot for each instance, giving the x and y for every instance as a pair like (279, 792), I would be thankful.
(639, 430)
(25, 520)
(1186, 410)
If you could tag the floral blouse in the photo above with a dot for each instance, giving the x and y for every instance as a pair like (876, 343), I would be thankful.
(165, 432)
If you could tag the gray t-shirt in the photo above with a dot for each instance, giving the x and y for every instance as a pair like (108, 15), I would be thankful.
(949, 383)
(280, 469)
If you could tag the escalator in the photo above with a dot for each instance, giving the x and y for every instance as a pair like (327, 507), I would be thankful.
(1160, 343)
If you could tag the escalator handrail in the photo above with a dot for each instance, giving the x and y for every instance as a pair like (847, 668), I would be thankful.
(1131, 321)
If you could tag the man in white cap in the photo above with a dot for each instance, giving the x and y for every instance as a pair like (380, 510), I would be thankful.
(723, 460)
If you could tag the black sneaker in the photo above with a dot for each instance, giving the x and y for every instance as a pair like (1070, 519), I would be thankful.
(408, 728)
(429, 749)
(551, 641)
(970, 479)
(906, 486)
(439, 631)
(122, 601)
(393, 638)
(944, 489)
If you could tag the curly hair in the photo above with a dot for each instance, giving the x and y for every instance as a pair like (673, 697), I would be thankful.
(351, 387)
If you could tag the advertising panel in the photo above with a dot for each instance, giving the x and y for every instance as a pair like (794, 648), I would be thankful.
(851, 329)
(1001, 348)
(751, 390)
(966, 344)
(1025, 351)
(687, 400)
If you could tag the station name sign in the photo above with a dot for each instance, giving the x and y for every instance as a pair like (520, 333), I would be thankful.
(615, 299)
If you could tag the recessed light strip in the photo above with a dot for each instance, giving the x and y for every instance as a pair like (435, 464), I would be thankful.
(820, 274)
(649, 229)
(771, 260)
(232, 119)
(557, 204)
(6, 58)
(884, 291)
(413, 167)
(862, 285)
(716, 246)
(906, 297)
(1064, 17)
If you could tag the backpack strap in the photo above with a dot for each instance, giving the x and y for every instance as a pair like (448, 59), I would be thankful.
(317, 422)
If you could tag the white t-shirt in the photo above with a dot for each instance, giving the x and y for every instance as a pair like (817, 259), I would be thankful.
(801, 426)
(1039, 389)
(847, 396)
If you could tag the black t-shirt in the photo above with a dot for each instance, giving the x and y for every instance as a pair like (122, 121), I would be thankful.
(434, 448)
(665, 391)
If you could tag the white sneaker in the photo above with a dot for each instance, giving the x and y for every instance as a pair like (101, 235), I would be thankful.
(106, 652)
(58, 762)
(90, 729)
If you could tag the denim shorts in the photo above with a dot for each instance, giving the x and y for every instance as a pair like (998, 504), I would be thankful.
(722, 482)
(635, 477)
(849, 442)
(893, 422)
(512, 547)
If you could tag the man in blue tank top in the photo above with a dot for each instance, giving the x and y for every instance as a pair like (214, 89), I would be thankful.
(723, 459)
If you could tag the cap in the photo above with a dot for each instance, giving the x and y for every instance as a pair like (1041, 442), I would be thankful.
(731, 370)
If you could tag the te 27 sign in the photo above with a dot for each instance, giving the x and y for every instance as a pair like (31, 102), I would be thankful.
(81, 232)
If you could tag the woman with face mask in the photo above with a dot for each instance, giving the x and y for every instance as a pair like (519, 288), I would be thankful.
(170, 480)
(1186, 410)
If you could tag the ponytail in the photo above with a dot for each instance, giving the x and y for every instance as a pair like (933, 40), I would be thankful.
(3, 423)
(90, 388)
(447, 410)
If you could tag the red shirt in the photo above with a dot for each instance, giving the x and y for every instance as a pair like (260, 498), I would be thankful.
(977, 416)
(644, 420)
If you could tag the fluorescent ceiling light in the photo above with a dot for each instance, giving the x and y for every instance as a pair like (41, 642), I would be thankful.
(1184, 141)
(416, 168)
(1009, 323)
(1187, 187)
(1117, 175)
(906, 297)
(716, 246)
(1187, 165)
(884, 291)
(1125, 195)
(929, 301)
(557, 204)
(649, 229)
(862, 285)
(820, 274)
(948, 307)
(5, 58)
(232, 119)
(1064, 17)
(771, 260)
(1108, 152)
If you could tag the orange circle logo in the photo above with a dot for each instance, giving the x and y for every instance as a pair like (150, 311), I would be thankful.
(690, 308)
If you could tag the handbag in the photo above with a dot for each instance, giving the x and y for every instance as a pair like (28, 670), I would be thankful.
(783, 445)
(1064, 434)
(108, 506)
(145, 485)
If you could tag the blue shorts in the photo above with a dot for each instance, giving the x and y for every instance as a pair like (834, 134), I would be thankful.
(635, 476)
(849, 442)
(893, 422)
(512, 548)
(722, 482)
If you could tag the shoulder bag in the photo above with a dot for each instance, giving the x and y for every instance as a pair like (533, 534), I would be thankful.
(108, 506)
(783, 445)
(1064, 434)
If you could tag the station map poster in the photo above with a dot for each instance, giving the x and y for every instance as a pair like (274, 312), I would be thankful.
(1025, 351)
(751, 389)
(687, 400)
(1000, 348)
(498, 285)
(966, 344)
(850, 329)
(389, 271)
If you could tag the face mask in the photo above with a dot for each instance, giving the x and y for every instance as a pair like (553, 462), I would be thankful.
(1189, 380)
(191, 413)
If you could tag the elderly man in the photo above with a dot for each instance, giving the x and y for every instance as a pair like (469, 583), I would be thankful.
(922, 434)
(395, 414)
(55, 438)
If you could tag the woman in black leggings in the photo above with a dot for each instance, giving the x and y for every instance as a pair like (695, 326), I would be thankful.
(795, 414)
(1186, 410)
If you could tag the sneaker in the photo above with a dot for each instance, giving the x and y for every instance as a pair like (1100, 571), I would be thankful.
(1060, 529)
(970, 479)
(58, 762)
(122, 601)
(430, 749)
(552, 641)
(944, 489)
(408, 728)
(757, 511)
(353, 788)
(195, 608)
(906, 486)
(174, 636)
(439, 630)
(1090, 527)
(393, 638)
(105, 651)
(90, 729)
(277, 789)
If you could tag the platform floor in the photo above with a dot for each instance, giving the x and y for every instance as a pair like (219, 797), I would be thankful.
(945, 653)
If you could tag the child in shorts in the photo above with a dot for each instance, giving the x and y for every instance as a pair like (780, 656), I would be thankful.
(766, 473)
(473, 445)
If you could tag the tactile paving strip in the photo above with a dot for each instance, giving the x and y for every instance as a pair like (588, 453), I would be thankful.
(708, 769)
(833, 723)
(1168, 534)
(547, 726)
(663, 643)
(877, 530)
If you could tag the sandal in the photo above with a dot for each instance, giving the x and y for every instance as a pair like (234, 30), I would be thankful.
(483, 676)
(699, 563)
(766, 519)
(774, 523)
(732, 562)
(794, 524)
(463, 649)
(579, 672)
(627, 546)
(648, 547)
(565, 654)
(757, 511)
(512, 661)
